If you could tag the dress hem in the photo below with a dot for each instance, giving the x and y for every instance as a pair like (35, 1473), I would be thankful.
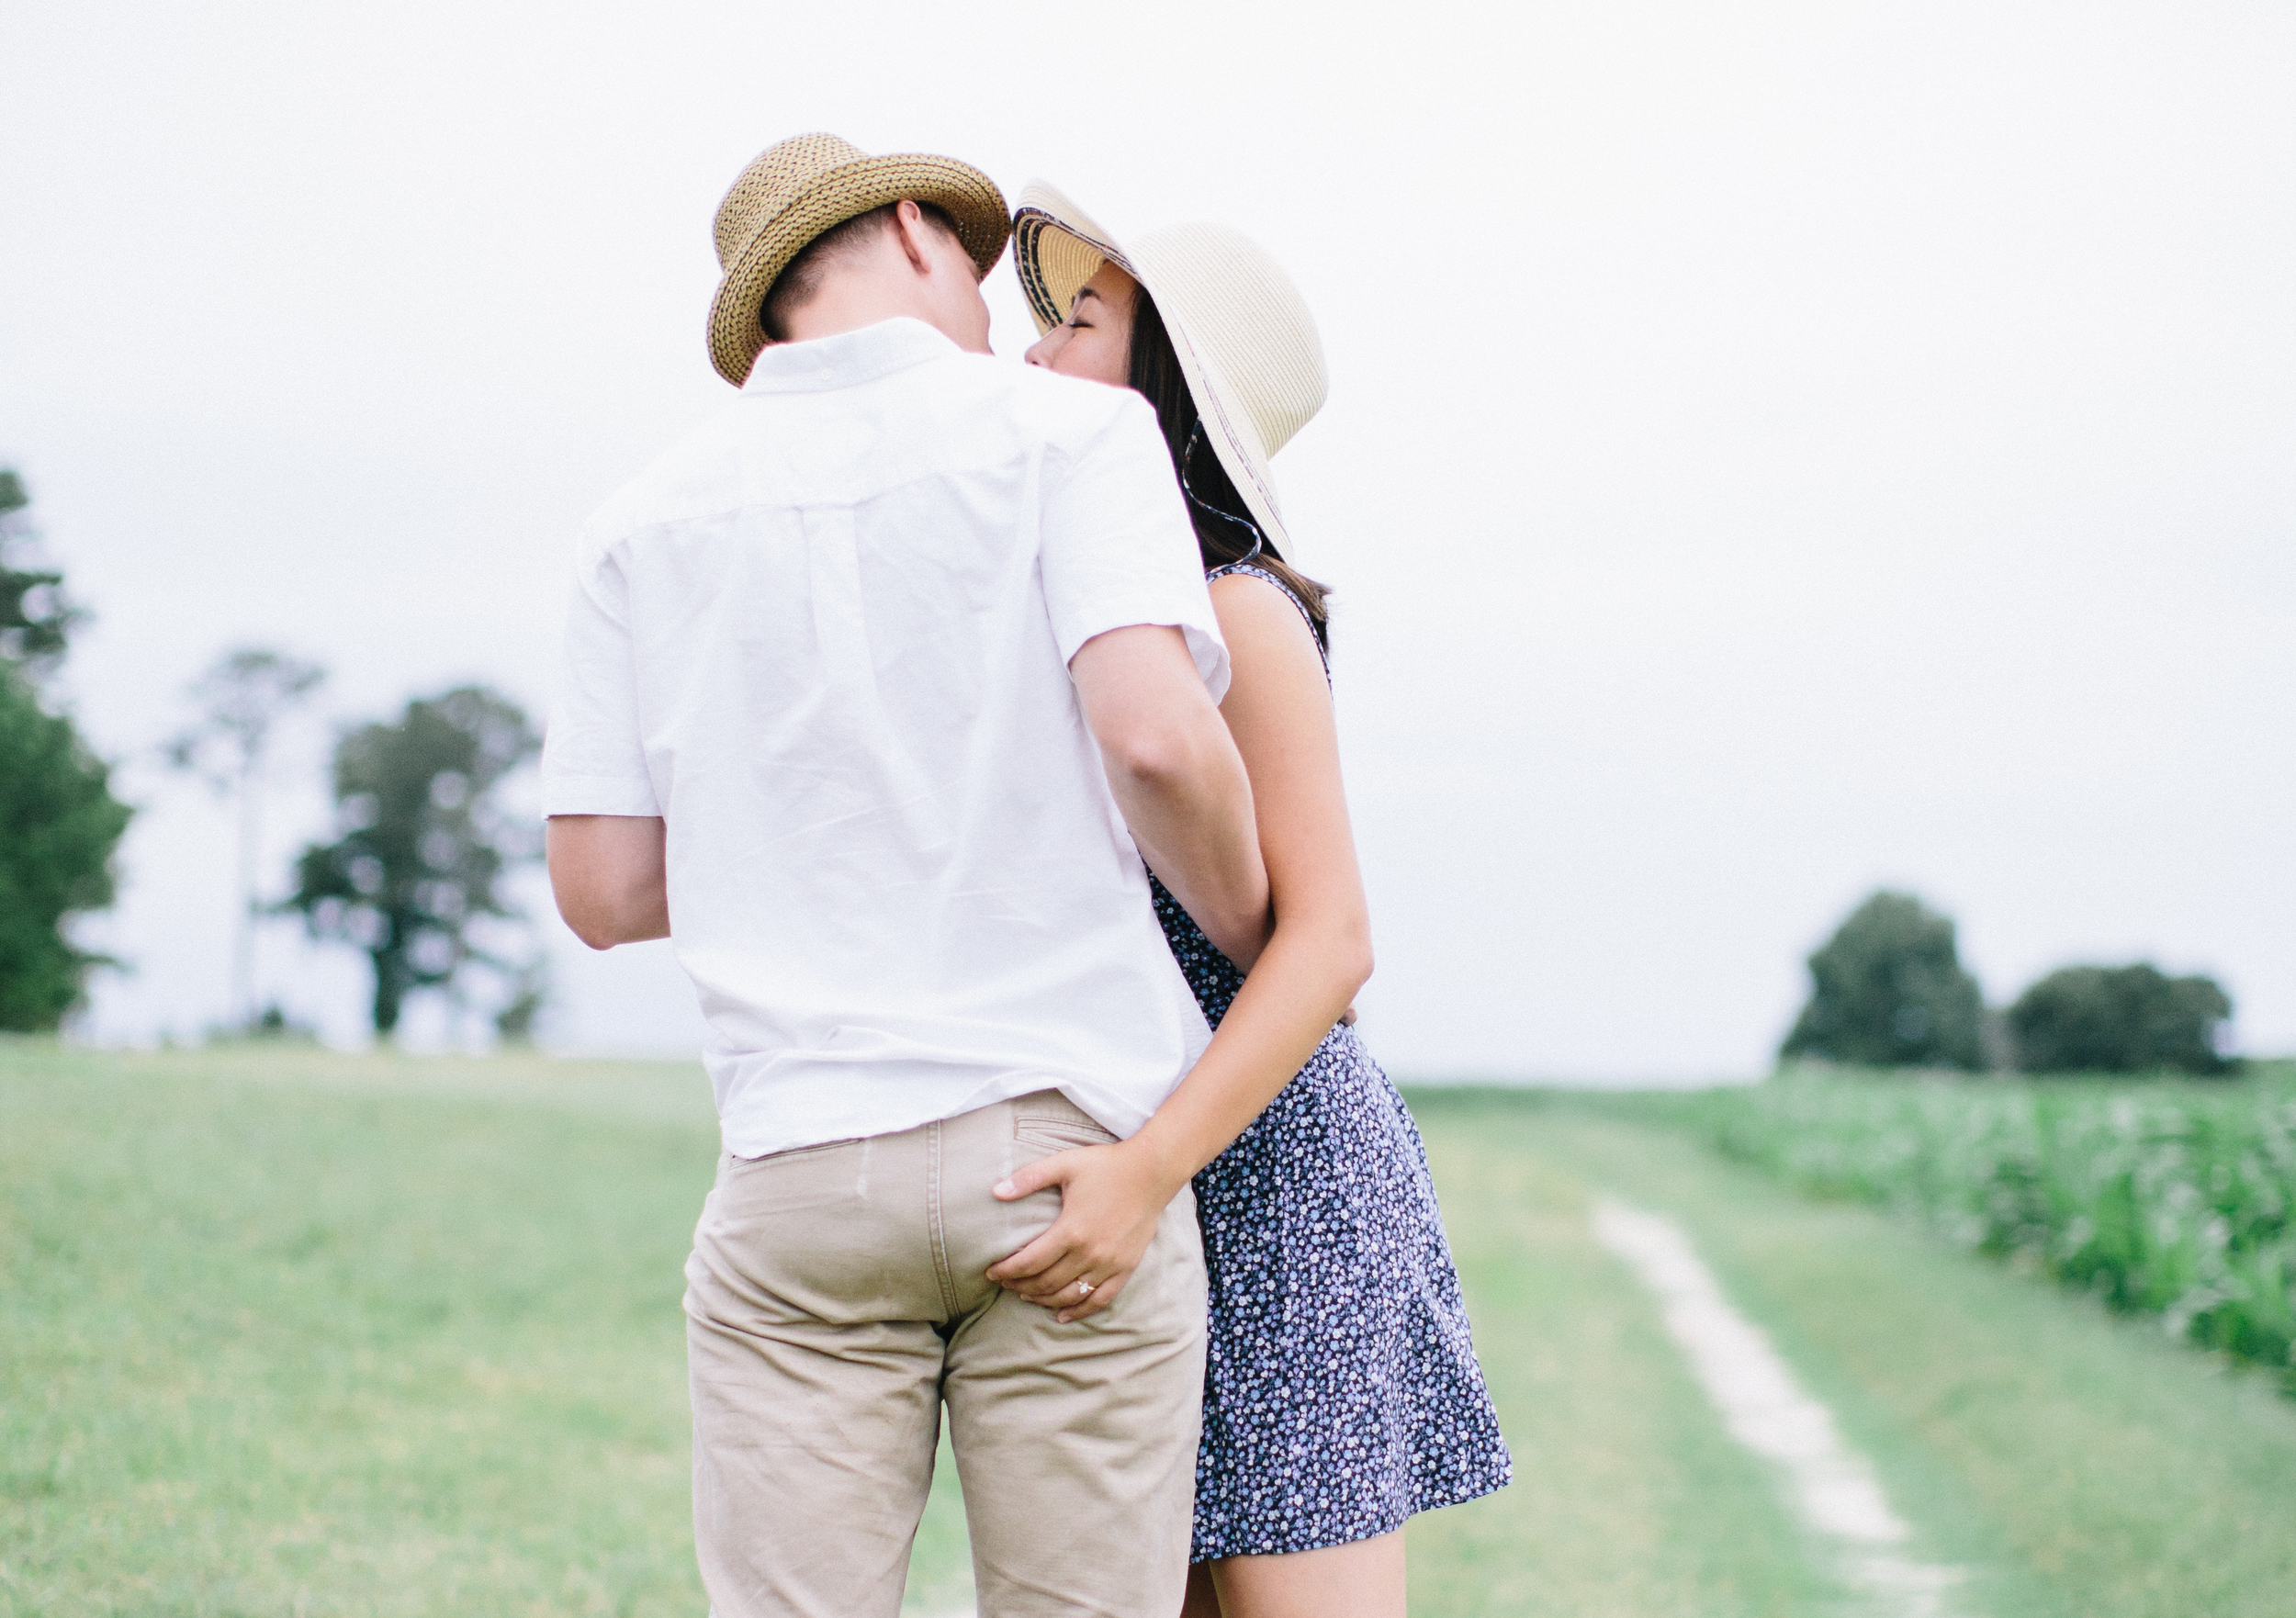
(1478, 1491)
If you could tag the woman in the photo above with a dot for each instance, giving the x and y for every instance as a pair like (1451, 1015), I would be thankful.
(1341, 1392)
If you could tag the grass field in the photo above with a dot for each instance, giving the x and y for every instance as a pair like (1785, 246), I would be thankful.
(288, 1333)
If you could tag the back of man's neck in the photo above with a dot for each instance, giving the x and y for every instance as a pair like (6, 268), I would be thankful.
(849, 303)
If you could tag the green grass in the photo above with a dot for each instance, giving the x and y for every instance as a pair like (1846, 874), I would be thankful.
(2172, 1197)
(2078, 1464)
(287, 1333)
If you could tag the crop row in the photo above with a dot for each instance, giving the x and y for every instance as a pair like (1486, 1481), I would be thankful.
(2172, 1198)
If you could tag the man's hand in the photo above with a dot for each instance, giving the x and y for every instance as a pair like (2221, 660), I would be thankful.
(1111, 1197)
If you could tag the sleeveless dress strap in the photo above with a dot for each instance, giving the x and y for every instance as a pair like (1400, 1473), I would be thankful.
(1234, 567)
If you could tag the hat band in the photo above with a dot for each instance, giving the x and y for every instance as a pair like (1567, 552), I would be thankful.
(1259, 540)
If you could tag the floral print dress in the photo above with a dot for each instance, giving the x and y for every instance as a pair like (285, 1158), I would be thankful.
(1341, 1390)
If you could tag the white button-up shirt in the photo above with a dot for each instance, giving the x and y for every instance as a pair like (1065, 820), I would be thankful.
(827, 639)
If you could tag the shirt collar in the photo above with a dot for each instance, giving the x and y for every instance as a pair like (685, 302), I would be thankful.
(848, 358)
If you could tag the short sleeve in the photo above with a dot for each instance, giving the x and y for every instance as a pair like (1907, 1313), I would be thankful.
(593, 761)
(1116, 545)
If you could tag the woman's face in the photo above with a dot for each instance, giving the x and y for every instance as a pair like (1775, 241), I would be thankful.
(1096, 340)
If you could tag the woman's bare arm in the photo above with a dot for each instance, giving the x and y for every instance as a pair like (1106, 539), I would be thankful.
(1279, 709)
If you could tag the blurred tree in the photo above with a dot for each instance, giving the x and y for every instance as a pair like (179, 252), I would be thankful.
(1887, 990)
(530, 992)
(241, 698)
(2120, 1019)
(35, 619)
(59, 822)
(276, 1025)
(424, 849)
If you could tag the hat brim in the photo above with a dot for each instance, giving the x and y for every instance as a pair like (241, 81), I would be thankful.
(968, 197)
(1056, 249)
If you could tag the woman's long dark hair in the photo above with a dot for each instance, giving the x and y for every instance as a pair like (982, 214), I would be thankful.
(1225, 529)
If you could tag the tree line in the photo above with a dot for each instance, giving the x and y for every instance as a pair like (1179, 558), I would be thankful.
(414, 875)
(1888, 990)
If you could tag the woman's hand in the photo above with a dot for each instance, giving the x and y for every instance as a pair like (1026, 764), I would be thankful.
(1111, 1197)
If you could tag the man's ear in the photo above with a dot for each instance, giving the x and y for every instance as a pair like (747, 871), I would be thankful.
(911, 224)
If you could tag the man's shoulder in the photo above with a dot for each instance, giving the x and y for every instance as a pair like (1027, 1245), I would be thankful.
(705, 470)
(689, 478)
(1042, 401)
(1069, 408)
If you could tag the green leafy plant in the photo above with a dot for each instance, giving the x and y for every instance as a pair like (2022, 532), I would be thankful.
(2168, 1198)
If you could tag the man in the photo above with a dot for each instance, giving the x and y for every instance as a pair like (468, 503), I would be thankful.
(878, 687)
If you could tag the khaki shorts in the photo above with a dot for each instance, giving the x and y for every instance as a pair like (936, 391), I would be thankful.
(836, 1295)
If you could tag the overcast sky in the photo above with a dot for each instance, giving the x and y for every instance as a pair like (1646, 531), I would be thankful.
(1773, 450)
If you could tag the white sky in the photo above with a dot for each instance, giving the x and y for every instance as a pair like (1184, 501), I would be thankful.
(1774, 449)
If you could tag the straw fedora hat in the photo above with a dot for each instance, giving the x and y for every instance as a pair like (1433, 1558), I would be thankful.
(1246, 340)
(809, 184)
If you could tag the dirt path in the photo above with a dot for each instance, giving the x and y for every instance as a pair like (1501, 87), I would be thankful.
(2071, 1463)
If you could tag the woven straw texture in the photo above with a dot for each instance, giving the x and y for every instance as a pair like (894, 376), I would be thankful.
(1246, 340)
(809, 184)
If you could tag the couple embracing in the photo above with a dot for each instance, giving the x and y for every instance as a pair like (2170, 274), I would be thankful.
(966, 727)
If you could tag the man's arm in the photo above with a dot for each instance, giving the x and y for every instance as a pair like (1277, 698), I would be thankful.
(1178, 779)
(608, 873)
(1279, 711)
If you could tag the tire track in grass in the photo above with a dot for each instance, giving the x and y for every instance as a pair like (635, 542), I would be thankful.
(1829, 1483)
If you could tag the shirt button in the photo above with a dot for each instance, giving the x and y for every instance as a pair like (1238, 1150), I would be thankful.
(827, 375)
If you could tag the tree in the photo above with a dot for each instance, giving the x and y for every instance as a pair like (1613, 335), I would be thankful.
(2120, 1019)
(417, 868)
(529, 994)
(59, 822)
(36, 619)
(242, 697)
(1887, 990)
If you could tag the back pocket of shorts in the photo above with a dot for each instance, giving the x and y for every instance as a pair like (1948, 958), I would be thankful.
(788, 1153)
(1059, 1134)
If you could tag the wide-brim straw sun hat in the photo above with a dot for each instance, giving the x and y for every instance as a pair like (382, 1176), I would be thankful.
(809, 184)
(1245, 339)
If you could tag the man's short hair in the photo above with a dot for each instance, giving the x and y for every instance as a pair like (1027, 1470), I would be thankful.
(802, 275)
